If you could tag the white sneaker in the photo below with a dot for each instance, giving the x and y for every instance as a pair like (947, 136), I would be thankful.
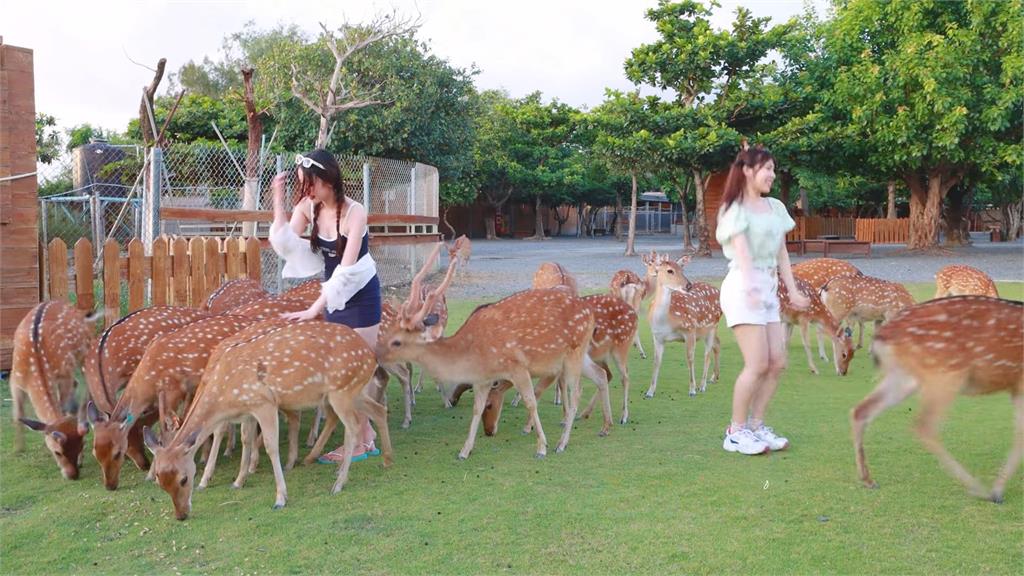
(744, 442)
(767, 435)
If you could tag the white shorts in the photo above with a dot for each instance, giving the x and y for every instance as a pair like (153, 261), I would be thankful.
(734, 302)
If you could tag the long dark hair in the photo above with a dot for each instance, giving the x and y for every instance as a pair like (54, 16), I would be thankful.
(331, 174)
(736, 183)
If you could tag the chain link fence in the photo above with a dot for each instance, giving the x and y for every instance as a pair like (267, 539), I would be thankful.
(98, 194)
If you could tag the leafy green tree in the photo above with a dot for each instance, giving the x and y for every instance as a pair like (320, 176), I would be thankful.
(929, 90)
(47, 138)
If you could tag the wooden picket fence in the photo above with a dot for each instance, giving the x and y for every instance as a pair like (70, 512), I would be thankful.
(180, 272)
(873, 230)
(883, 230)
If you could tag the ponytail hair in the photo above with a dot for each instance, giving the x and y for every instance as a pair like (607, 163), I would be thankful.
(736, 182)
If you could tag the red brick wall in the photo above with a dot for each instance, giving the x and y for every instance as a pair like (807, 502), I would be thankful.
(19, 209)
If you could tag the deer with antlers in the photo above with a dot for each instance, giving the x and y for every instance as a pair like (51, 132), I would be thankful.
(169, 371)
(962, 280)
(112, 360)
(863, 299)
(818, 315)
(683, 310)
(270, 366)
(943, 348)
(49, 344)
(535, 333)
(233, 294)
(628, 286)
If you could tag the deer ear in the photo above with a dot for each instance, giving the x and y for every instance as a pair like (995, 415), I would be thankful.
(191, 440)
(59, 436)
(33, 424)
(152, 442)
(94, 414)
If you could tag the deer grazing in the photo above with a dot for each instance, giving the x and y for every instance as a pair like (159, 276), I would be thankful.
(169, 371)
(267, 367)
(535, 333)
(112, 360)
(968, 345)
(683, 310)
(864, 299)
(817, 314)
(632, 289)
(49, 344)
(961, 280)
(233, 294)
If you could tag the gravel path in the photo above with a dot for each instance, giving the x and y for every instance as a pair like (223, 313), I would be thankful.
(500, 267)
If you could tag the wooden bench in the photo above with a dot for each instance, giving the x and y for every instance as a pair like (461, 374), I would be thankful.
(829, 246)
(847, 247)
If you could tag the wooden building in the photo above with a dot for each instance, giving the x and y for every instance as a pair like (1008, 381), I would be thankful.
(19, 208)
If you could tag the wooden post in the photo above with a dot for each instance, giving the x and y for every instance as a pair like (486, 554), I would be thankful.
(161, 268)
(84, 292)
(180, 263)
(234, 264)
(112, 281)
(197, 253)
(136, 275)
(252, 259)
(58, 254)
(213, 267)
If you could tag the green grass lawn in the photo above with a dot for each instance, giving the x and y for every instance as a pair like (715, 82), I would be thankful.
(659, 495)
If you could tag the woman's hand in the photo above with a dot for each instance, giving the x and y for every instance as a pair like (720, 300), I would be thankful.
(307, 314)
(799, 300)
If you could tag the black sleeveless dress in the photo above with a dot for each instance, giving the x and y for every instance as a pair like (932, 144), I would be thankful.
(364, 308)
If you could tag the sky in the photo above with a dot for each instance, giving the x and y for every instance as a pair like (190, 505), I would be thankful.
(568, 49)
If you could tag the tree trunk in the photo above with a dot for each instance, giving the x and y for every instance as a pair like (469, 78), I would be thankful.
(890, 212)
(538, 232)
(957, 232)
(926, 194)
(444, 218)
(803, 202)
(683, 190)
(491, 233)
(615, 219)
(785, 183)
(699, 218)
(254, 121)
(145, 122)
(581, 210)
(1013, 220)
(632, 218)
(560, 219)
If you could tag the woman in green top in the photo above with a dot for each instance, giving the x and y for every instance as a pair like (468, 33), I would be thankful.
(752, 231)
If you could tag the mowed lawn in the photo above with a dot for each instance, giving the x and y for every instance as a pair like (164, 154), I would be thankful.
(659, 495)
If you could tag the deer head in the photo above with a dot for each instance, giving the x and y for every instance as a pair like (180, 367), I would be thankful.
(174, 468)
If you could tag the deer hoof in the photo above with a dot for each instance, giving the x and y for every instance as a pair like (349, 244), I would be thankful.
(405, 425)
(236, 486)
(540, 455)
(201, 486)
(649, 395)
(693, 393)
(463, 456)
(624, 420)
(871, 484)
(277, 506)
(602, 433)
(997, 497)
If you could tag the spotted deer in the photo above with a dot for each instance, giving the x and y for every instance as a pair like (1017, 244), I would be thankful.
(307, 292)
(818, 315)
(819, 271)
(553, 275)
(969, 345)
(460, 250)
(632, 289)
(272, 307)
(270, 366)
(233, 294)
(961, 280)
(687, 311)
(863, 299)
(171, 366)
(50, 342)
(534, 333)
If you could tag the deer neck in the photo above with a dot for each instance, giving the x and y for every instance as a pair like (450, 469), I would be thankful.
(661, 304)
(449, 360)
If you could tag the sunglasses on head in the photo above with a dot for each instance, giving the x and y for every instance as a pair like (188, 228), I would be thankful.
(305, 162)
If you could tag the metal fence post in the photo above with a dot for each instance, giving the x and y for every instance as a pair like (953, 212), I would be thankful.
(366, 186)
(97, 223)
(279, 167)
(151, 200)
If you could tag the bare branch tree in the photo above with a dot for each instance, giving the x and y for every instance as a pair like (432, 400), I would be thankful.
(341, 95)
(146, 124)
